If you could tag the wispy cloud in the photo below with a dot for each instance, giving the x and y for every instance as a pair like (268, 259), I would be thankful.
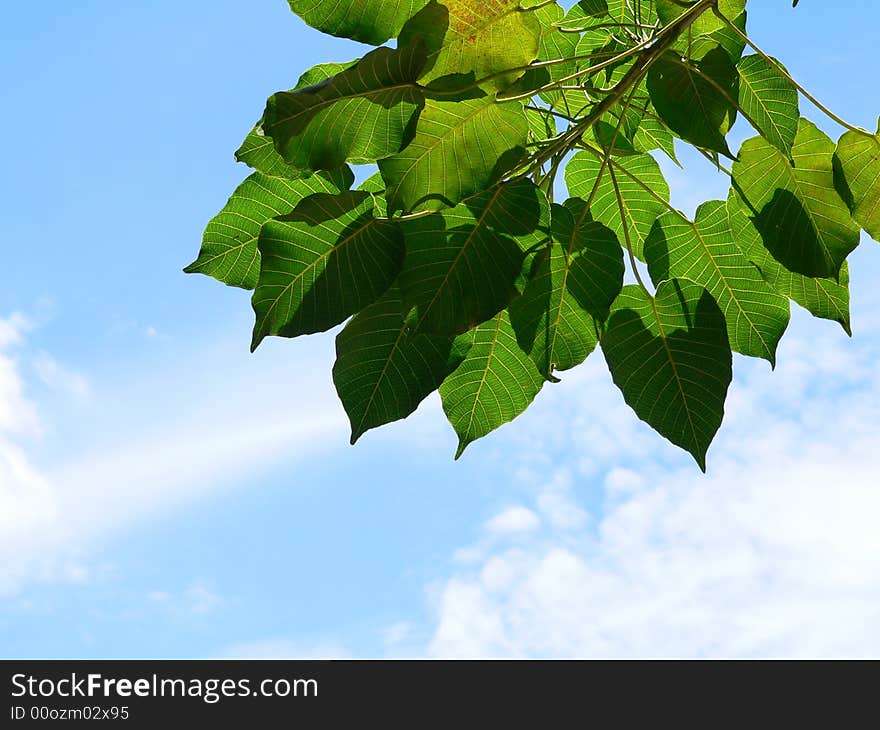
(775, 552)
(210, 418)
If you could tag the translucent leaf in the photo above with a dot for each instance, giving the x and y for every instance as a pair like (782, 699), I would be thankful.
(459, 148)
(770, 100)
(802, 219)
(258, 150)
(322, 263)
(671, 360)
(574, 280)
(641, 207)
(462, 263)
(494, 384)
(229, 246)
(475, 39)
(858, 164)
(359, 115)
(382, 371)
(704, 252)
(368, 21)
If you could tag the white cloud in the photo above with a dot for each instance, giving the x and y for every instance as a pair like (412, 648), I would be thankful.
(198, 599)
(513, 520)
(208, 418)
(776, 552)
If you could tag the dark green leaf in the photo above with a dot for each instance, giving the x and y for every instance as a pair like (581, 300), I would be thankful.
(258, 150)
(382, 371)
(461, 263)
(496, 382)
(824, 298)
(322, 263)
(696, 99)
(575, 279)
(671, 360)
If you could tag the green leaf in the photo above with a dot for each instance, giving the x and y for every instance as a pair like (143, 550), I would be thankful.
(258, 150)
(770, 100)
(496, 382)
(382, 371)
(858, 163)
(367, 21)
(803, 221)
(704, 252)
(574, 280)
(641, 174)
(461, 263)
(459, 148)
(671, 360)
(708, 23)
(652, 135)
(229, 246)
(696, 99)
(359, 115)
(823, 298)
(322, 263)
(475, 39)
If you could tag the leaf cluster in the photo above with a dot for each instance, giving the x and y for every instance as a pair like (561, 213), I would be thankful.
(454, 268)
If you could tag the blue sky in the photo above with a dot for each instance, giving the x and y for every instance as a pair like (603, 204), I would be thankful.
(165, 493)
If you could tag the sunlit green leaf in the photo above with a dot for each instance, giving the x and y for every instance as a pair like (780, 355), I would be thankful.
(803, 221)
(704, 252)
(459, 148)
(858, 158)
(229, 246)
(823, 298)
(494, 384)
(476, 39)
(642, 203)
(770, 100)
(368, 21)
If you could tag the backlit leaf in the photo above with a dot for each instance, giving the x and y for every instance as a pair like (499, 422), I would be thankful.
(671, 360)
(368, 21)
(359, 115)
(803, 221)
(494, 384)
(383, 371)
(770, 100)
(229, 246)
(459, 148)
(575, 279)
(858, 158)
(704, 252)
(640, 206)
(322, 263)
(462, 263)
